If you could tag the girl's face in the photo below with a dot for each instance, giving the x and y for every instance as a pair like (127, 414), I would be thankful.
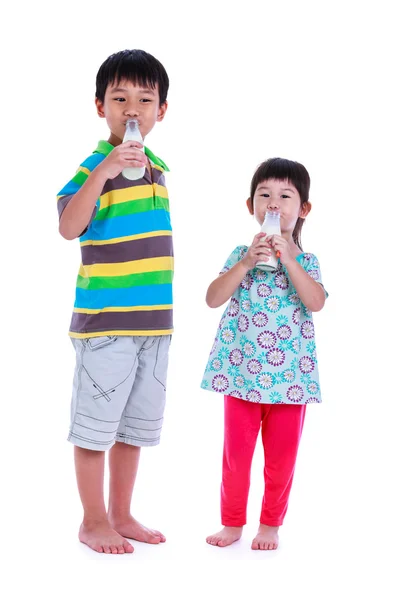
(280, 196)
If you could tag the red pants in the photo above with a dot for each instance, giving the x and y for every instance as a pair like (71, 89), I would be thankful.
(281, 427)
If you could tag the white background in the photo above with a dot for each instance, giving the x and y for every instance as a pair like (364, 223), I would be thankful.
(310, 81)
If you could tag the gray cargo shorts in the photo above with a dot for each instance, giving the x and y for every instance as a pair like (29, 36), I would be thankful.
(119, 391)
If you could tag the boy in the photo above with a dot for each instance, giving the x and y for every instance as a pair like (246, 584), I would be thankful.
(122, 321)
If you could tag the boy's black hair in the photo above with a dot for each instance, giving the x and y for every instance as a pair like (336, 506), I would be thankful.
(283, 169)
(136, 66)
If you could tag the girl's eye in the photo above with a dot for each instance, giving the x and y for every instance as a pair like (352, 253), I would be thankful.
(285, 196)
(265, 195)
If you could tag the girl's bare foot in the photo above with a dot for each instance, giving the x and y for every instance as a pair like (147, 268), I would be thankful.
(266, 539)
(225, 537)
(130, 528)
(101, 537)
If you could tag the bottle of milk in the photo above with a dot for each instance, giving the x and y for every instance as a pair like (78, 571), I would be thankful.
(132, 134)
(271, 226)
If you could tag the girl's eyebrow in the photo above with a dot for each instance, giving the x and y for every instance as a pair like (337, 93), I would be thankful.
(265, 187)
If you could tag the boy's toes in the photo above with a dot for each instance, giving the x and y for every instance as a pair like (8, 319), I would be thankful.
(160, 535)
(113, 549)
(128, 547)
(121, 549)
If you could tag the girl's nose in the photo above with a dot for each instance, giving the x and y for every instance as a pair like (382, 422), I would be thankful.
(273, 205)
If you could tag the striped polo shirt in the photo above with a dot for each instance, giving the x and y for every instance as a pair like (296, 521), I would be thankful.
(124, 285)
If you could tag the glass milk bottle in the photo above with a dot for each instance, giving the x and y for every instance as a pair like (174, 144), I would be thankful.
(132, 134)
(271, 226)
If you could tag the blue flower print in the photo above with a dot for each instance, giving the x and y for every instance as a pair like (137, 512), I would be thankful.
(275, 397)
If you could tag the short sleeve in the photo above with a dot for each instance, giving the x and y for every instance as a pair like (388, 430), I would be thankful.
(74, 185)
(310, 264)
(233, 258)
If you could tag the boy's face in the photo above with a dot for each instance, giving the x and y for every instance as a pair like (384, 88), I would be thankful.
(124, 101)
(280, 196)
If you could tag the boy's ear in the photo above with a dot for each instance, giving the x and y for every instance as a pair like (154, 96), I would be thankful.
(305, 210)
(250, 206)
(161, 111)
(100, 108)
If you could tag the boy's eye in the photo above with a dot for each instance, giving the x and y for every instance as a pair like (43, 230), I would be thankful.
(145, 100)
(120, 99)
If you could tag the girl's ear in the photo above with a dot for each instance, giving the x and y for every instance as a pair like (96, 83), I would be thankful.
(305, 209)
(250, 206)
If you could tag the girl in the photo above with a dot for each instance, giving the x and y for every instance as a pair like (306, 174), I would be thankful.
(264, 357)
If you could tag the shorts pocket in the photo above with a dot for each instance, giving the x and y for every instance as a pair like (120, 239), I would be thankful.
(161, 362)
(95, 343)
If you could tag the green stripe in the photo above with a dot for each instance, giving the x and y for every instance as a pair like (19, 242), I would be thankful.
(80, 178)
(156, 160)
(124, 281)
(132, 206)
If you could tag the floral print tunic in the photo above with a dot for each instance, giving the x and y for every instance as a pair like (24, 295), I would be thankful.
(264, 350)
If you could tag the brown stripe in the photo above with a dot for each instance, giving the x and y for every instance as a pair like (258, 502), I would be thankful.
(62, 203)
(158, 177)
(120, 321)
(120, 183)
(152, 247)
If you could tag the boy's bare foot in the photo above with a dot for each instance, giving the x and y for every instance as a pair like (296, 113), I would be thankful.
(130, 528)
(101, 537)
(266, 539)
(225, 537)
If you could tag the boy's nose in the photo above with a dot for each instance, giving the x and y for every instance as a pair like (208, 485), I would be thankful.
(131, 111)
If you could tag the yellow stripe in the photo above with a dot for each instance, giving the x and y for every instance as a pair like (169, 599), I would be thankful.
(96, 311)
(120, 333)
(84, 170)
(128, 238)
(137, 192)
(145, 265)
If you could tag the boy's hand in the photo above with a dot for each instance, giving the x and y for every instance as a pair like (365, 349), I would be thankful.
(258, 251)
(124, 155)
(281, 246)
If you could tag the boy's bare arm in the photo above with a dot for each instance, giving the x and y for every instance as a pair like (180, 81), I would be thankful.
(225, 285)
(78, 212)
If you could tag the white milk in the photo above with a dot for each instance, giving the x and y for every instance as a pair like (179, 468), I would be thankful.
(271, 226)
(132, 134)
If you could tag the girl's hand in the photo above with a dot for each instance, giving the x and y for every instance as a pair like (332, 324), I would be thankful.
(282, 248)
(259, 250)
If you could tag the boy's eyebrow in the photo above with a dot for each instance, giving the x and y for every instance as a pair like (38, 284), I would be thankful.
(121, 89)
